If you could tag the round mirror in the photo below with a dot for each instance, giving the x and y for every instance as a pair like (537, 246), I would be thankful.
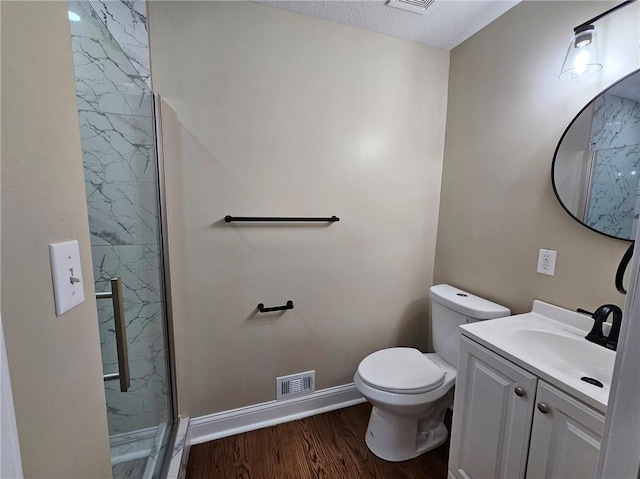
(596, 166)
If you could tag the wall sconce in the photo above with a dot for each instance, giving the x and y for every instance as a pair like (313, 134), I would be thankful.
(582, 54)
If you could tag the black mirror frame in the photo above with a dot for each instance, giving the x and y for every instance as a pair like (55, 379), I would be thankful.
(555, 156)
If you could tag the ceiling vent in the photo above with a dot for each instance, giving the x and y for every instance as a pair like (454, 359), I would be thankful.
(415, 6)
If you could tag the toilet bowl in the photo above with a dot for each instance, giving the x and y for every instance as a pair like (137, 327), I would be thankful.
(406, 424)
(411, 391)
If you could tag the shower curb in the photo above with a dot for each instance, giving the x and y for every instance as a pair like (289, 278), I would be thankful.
(250, 418)
(180, 452)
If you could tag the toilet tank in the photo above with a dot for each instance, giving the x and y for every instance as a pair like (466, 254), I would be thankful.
(451, 307)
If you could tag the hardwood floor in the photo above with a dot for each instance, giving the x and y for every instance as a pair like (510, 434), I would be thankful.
(329, 445)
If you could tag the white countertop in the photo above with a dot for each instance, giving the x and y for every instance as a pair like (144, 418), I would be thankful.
(549, 343)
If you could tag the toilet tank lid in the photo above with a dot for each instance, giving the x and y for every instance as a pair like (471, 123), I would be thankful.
(466, 303)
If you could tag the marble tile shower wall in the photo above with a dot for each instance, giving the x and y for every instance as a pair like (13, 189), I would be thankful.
(615, 139)
(126, 20)
(116, 128)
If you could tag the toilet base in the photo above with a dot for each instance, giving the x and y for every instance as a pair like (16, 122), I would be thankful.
(399, 438)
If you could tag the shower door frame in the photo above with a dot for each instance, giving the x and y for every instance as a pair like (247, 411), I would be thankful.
(165, 278)
(164, 239)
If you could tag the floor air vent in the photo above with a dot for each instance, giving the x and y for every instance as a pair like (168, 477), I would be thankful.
(295, 385)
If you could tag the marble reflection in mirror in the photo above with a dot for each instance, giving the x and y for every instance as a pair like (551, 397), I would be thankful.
(596, 168)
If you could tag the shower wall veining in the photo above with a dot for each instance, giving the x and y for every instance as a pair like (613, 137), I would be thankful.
(614, 202)
(126, 20)
(115, 110)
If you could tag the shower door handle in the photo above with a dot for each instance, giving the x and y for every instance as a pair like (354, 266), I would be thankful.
(117, 298)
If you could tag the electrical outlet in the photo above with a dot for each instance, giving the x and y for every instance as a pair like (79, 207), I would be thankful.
(547, 262)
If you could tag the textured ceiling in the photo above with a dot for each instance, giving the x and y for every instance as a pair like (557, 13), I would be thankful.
(445, 24)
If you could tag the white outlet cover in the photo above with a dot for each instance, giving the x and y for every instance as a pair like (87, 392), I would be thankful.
(547, 262)
(66, 273)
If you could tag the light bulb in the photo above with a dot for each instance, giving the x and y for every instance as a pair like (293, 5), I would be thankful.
(581, 62)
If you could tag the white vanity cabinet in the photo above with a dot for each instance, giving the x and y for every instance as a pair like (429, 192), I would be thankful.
(565, 439)
(492, 415)
(500, 430)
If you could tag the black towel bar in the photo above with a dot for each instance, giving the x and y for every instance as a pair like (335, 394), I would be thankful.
(262, 309)
(230, 218)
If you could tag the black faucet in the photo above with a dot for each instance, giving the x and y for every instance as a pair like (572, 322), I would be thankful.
(596, 335)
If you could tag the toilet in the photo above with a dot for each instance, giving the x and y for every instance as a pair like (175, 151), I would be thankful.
(411, 391)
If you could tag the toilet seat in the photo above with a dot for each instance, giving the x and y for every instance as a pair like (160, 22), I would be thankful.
(401, 371)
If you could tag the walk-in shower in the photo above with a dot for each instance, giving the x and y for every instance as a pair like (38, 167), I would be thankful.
(121, 164)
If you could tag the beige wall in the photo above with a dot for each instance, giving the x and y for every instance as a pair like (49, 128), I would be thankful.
(506, 112)
(276, 114)
(54, 362)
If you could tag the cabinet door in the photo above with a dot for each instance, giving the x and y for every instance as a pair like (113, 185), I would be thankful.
(565, 440)
(492, 416)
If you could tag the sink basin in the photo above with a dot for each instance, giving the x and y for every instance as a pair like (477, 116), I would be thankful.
(549, 343)
(567, 352)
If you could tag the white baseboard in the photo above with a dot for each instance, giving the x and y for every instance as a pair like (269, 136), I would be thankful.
(250, 418)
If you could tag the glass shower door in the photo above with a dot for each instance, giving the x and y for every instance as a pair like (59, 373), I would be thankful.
(117, 130)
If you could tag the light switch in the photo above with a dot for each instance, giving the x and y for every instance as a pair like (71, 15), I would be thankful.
(67, 275)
